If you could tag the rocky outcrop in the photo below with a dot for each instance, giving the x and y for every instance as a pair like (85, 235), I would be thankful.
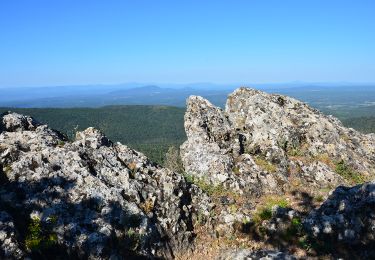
(12, 122)
(265, 145)
(346, 217)
(209, 135)
(256, 175)
(89, 198)
(261, 143)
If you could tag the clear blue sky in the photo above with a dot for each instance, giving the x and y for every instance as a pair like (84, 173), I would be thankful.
(88, 41)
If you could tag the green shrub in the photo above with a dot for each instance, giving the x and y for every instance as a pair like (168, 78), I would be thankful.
(265, 214)
(348, 173)
(264, 211)
(319, 198)
(294, 230)
(132, 239)
(204, 185)
(236, 170)
(39, 237)
(295, 152)
(265, 165)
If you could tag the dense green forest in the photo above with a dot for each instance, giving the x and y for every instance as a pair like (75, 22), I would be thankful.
(149, 129)
(363, 124)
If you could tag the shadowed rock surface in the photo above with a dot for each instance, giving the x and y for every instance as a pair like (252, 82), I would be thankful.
(346, 217)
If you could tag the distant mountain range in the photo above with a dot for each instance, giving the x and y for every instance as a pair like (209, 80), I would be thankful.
(323, 96)
(102, 95)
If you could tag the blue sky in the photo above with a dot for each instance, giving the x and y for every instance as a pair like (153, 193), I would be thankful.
(254, 41)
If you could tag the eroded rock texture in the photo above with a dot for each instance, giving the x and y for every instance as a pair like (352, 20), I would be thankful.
(89, 198)
(264, 144)
(260, 142)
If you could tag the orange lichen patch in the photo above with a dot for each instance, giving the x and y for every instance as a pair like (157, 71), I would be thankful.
(132, 166)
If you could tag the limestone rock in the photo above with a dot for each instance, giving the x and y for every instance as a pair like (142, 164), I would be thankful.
(208, 132)
(90, 198)
(93, 138)
(13, 122)
(263, 143)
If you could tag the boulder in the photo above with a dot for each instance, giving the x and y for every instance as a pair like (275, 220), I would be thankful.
(346, 217)
(13, 122)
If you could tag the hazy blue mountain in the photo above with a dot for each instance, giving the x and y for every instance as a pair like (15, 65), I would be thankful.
(96, 96)
(340, 99)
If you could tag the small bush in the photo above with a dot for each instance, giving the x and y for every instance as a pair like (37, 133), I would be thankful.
(265, 165)
(348, 173)
(326, 159)
(132, 239)
(295, 152)
(295, 229)
(173, 160)
(265, 214)
(133, 169)
(319, 198)
(204, 185)
(236, 170)
(264, 211)
(38, 237)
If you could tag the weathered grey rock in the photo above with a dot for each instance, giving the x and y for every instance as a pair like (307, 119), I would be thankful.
(276, 124)
(270, 144)
(93, 138)
(262, 143)
(8, 238)
(346, 217)
(208, 132)
(98, 199)
(12, 122)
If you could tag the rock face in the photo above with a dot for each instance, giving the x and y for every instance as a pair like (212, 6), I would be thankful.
(261, 143)
(264, 144)
(16, 122)
(89, 198)
(346, 217)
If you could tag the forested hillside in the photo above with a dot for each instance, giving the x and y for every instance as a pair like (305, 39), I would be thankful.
(363, 124)
(149, 129)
